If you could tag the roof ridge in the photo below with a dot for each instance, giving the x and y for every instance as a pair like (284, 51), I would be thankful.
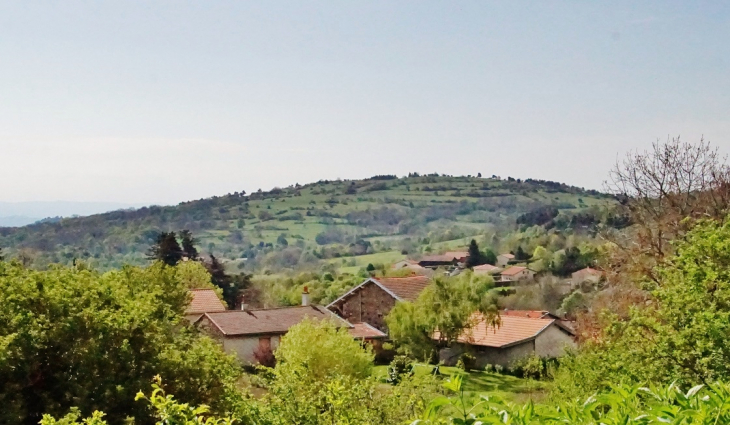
(313, 306)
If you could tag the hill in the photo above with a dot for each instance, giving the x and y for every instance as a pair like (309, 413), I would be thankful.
(347, 222)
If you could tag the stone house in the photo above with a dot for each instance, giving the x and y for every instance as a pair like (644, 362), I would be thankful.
(252, 334)
(504, 259)
(516, 273)
(204, 301)
(519, 336)
(373, 299)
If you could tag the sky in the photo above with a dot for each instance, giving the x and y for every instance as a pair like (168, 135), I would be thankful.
(157, 102)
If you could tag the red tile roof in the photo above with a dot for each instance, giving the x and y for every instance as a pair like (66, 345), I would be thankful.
(404, 288)
(457, 254)
(204, 301)
(510, 256)
(269, 321)
(364, 330)
(532, 314)
(438, 259)
(513, 330)
(513, 270)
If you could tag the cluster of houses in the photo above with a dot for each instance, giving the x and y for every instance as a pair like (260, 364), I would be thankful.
(250, 332)
(504, 271)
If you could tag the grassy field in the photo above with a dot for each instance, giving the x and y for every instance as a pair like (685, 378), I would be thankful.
(486, 383)
(416, 214)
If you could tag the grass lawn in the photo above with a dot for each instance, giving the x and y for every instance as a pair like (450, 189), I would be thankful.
(487, 383)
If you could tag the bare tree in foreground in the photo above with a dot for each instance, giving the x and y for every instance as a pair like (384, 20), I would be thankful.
(665, 190)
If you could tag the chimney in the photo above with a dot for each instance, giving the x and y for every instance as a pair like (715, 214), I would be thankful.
(305, 296)
(244, 306)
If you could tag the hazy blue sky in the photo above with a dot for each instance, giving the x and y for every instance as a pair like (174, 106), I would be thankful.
(160, 102)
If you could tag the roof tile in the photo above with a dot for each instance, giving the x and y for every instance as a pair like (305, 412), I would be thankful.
(269, 321)
(204, 301)
(405, 288)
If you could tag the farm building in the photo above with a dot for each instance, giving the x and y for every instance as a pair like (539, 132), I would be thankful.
(434, 261)
(204, 301)
(520, 335)
(373, 299)
(254, 334)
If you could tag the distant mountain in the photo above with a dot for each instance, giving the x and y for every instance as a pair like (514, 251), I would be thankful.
(16, 214)
(17, 220)
(379, 219)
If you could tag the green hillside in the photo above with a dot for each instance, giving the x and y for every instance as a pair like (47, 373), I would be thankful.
(347, 223)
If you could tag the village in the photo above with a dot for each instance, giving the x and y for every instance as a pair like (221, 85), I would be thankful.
(252, 335)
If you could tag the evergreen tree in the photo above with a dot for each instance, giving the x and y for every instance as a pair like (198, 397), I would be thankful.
(232, 286)
(2, 257)
(521, 255)
(188, 245)
(475, 257)
(166, 249)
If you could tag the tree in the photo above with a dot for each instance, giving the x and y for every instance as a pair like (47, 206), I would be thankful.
(663, 191)
(166, 249)
(222, 280)
(73, 337)
(447, 305)
(2, 257)
(475, 257)
(521, 255)
(681, 334)
(188, 245)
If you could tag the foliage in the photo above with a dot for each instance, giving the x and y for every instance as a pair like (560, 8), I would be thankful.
(166, 249)
(620, 405)
(447, 305)
(231, 286)
(400, 366)
(681, 334)
(336, 353)
(75, 337)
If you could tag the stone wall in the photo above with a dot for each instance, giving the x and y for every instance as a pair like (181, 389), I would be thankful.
(368, 304)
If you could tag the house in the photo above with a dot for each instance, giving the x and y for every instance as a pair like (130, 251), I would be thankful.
(504, 259)
(373, 299)
(515, 273)
(516, 338)
(461, 256)
(434, 261)
(204, 301)
(486, 269)
(251, 334)
(586, 275)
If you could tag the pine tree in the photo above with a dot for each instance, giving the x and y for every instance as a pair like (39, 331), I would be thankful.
(2, 257)
(221, 279)
(188, 245)
(166, 249)
(475, 257)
